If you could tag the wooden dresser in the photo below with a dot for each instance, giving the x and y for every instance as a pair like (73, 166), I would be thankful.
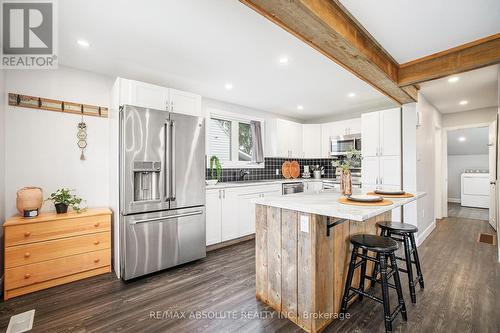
(53, 249)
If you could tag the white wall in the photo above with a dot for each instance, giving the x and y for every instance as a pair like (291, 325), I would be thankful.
(430, 121)
(456, 165)
(469, 118)
(41, 146)
(2, 163)
(409, 132)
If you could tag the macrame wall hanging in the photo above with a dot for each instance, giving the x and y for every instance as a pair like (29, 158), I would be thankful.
(82, 138)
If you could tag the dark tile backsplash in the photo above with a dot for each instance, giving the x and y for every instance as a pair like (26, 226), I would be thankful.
(269, 171)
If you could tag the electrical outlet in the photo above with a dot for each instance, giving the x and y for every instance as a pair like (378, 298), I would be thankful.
(277, 172)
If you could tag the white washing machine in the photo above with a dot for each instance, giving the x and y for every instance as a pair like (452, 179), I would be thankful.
(475, 188)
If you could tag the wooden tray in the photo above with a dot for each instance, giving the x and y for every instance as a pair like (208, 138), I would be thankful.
(294, 169)
(285, 169)
(406, 195)
(345, 201)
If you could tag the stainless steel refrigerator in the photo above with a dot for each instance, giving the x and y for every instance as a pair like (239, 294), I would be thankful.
(162, 190)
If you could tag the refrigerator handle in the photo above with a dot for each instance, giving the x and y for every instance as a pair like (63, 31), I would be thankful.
(166, 174)
(176, 216)
(172, 162)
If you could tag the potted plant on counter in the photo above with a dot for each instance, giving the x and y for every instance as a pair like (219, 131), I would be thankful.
(353, 158)
(62, 199)
(214, 160)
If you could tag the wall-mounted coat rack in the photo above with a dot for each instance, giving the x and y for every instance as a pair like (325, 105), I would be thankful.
(57, 105)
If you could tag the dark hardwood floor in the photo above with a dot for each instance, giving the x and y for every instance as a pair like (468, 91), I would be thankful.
(462, 294)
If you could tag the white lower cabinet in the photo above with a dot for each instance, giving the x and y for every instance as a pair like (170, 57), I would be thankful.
(313, 186)
(231, 212)
(213, 216)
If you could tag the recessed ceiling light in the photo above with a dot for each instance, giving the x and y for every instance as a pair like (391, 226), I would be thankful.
(462, 139)
(228, 86)
(463, 102)
(300, 107)
(351, 95)
(83, 43)
(453, 79)
(283, 60)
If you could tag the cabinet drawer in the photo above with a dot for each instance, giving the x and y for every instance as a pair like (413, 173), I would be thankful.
(43, 271)
(42, 251)
(37, 232)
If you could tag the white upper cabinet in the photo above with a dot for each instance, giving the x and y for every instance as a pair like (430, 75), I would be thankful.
(143, 94)
(284, 139)
(381, 149)
(370, 134)
(185, 102)
(311, 140)
(390, 132)
(155, 97)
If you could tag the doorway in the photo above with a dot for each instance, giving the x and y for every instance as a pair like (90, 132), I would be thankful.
(471, 173)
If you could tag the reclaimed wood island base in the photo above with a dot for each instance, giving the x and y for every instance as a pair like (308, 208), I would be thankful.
(302, 253)
(300, 270)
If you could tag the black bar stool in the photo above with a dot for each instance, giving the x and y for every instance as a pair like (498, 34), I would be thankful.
(384, 248)
(405, 233)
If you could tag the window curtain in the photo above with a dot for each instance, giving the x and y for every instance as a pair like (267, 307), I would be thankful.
(257, 150)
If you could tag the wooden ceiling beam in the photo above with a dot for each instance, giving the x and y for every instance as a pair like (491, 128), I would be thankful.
(326, 26)
(480, 53)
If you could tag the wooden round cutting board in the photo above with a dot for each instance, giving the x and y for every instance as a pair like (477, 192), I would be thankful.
(294, 169)
(345, 201)
(285, 169)
(406, 195)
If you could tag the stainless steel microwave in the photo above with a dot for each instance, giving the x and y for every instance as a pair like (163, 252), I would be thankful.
(340, 145)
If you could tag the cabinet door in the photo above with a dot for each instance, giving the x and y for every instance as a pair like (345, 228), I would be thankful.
(185, 103)
(213, 216)
(295, 139)
(246, 213)
(370, 137)
(390, 172)
(311, 140)
(230, 214)
(390, 132)
(314, 186)
(144, 95)
(370, 171)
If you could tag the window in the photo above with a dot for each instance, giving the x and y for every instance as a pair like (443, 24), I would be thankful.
(230, 139)
(245, 142)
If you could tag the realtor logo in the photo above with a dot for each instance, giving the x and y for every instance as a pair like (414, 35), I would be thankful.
(28, 35)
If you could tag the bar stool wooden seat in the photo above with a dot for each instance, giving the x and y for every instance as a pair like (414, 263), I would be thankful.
(405, 233)
(384, 247)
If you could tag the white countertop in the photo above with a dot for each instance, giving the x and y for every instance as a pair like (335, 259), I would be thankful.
(263, 182)
(325, 203)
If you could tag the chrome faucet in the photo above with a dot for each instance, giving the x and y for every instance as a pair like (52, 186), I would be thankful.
(243, 173)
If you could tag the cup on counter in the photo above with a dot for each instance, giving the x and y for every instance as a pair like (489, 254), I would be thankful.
(317, 174)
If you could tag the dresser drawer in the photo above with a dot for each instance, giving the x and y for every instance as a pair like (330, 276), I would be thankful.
(43, 271)
(36, 252)
(36, 232)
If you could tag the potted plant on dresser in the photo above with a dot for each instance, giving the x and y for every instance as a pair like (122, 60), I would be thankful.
(62, 199)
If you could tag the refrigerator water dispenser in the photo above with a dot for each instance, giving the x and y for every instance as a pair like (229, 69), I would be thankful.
(146, 180)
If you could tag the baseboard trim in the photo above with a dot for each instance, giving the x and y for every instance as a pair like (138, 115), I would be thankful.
(230, 242)
(454, 200)
(421, 238)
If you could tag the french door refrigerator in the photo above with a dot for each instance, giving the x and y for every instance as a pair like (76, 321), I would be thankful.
(162, 190)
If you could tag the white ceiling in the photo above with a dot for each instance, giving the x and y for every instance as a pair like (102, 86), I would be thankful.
(199, 46)
(479, 87)
(411, 29)
(476, 141)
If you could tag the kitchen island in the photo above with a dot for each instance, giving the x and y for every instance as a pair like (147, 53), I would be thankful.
(302, 252)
